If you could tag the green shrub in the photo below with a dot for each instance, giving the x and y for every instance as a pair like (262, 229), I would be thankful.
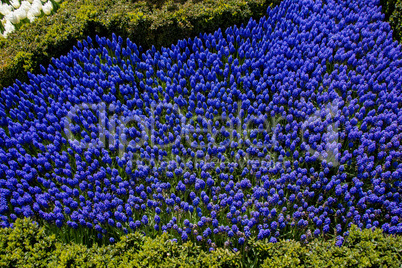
(392, 10)
(365, 248)
(147, 23)
(395, 19)
(27, 245)
(71, 255)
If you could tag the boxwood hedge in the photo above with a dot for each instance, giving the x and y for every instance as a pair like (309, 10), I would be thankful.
(393, 13)
(147, 23)
(28, 245)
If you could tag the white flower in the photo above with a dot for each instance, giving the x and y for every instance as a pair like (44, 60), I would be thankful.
(12, 18)
(31, 16)
(5, 9)
(15, 3)
(37, 3)
(9, 28)
(19, 10)
(36, 7)
(47, 8)
(25, 5)
(20, 14)
(35, 11)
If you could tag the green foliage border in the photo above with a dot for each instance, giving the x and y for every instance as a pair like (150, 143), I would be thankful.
(392, 10)
(28, 245)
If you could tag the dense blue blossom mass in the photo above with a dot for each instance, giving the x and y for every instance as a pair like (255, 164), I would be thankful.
(289, 127)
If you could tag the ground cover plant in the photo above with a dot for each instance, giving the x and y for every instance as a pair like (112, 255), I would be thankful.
(289, 127)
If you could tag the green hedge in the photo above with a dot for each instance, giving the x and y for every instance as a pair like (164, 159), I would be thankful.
(27, 245)
(147, 23)
(393, 14)
(365, 248)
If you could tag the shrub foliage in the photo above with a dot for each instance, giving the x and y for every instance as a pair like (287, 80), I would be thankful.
(393, 14)
(27, 245)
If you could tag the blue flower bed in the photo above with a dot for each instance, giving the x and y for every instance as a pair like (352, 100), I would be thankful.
(289, 127)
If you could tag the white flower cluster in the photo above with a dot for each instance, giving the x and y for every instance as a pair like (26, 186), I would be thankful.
(17, 11)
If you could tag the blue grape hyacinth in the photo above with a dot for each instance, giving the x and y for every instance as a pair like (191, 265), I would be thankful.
(287, 127)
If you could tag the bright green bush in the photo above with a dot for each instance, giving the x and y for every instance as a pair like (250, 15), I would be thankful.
(27, 245)
(395, 19)
(365, 248)
(393, 14)
(147, 23)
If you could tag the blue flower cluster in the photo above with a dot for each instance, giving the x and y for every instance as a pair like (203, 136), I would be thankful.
(289, 127)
